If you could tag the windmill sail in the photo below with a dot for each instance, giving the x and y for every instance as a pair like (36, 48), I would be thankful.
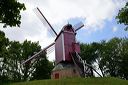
(78, 26)
(50, 49)
(45, 22)
(37, 54)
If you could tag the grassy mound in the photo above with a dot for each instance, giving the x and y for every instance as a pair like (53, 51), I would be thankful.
(77, 81)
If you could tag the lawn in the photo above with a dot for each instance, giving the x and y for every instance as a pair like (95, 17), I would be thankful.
(77, 81)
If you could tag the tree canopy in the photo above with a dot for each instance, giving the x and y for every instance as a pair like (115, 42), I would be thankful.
(10, 12)
(123, 16)
(13, 53)
(111, 57)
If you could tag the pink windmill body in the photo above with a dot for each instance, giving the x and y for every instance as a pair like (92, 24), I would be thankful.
(65, 43)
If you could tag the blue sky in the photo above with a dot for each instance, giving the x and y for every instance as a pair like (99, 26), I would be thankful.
(110, 30)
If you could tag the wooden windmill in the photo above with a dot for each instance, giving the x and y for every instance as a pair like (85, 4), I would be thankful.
(68, 63)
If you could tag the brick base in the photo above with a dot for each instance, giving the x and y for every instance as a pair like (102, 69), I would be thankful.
(64, 70)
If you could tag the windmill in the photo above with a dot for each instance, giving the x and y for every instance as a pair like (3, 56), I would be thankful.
(68, 63)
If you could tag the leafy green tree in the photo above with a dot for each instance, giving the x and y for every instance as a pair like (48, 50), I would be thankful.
(16, 53)
(28, 49)
(3, 54)
(12, 55)
(3, 43)
(123, 70)
(111, 57)
(13, 66)
(92, 53)
(43, 69)
(123, 16)
(88, 54)
(10, 12)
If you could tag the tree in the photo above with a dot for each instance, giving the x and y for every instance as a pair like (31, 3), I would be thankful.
(3, 42)
(28, 49)
(88, 54)
(43, 69)
(15, 53)
(10, 12)
(123, 16)
(111, 57)
(3, 53)
(12, 54)
(123, 70)
(13, 66)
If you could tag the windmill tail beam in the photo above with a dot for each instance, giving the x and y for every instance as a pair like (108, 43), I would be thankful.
(81, 65)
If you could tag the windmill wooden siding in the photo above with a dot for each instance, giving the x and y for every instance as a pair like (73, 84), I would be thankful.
(59, 46)
(69, 39)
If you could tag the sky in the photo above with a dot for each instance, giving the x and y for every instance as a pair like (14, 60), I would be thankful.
(98, 17)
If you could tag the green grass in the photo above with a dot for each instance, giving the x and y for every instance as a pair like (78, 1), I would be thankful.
(77, 81)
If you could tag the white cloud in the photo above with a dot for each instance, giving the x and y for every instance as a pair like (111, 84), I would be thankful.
(95, 11)
(58, 12)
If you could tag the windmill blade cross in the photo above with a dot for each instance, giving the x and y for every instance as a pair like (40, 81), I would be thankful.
(44, 21)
